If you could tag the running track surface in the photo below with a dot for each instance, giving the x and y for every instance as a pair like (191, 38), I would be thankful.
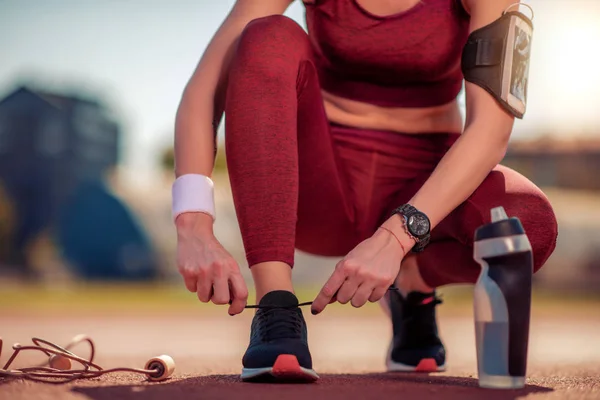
(348, 351)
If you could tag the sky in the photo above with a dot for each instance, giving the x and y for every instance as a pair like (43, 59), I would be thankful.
(137, 55)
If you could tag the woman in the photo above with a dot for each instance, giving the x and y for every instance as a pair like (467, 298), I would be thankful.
(327, 135)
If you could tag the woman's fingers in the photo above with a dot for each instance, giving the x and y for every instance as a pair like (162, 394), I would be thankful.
(328, 291)
(363, 293)
(210, 271)
(204, 286)
(220, 291)
(351, 271)
(190, 283)
(378, 293)
(348, 290)
(239, 293)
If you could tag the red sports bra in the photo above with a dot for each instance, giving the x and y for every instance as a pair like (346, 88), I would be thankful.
(408, 59)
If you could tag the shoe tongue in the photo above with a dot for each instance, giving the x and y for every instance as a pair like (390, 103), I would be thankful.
(280, 298)
(420, 298)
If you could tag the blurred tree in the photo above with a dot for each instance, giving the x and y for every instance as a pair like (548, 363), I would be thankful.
(168, 160)
(7, 224)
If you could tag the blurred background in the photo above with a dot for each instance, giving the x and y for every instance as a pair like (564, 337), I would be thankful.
(88, 95)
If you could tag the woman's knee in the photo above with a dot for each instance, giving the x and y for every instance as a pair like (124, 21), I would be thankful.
(527, 202)
(274, 27)
(542, 229)
(270, 46)
(520, 198)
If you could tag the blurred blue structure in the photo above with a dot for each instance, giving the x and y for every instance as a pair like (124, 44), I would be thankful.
(100, 239)
(50, 145)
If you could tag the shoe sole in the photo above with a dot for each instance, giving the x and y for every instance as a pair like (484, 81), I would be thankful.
(426, 365)
(286, 369)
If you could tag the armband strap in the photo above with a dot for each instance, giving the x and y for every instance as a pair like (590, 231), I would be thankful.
(193, 193)
(496, 58)
(482, 53)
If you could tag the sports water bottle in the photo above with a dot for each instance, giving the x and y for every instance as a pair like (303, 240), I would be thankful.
(502, 301)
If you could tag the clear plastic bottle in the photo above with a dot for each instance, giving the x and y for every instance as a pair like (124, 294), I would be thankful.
(502, 301)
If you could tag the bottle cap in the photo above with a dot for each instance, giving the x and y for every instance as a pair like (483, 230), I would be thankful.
(500, 226)
(498, 214)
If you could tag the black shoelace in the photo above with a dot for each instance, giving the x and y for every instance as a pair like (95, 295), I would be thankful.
(307, 303)
(270, 306)
(280, 323)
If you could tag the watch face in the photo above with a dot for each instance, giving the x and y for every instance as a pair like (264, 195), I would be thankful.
(418, 224)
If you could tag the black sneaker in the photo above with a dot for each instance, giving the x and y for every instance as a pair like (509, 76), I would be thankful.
(278, 349)
(416, 346)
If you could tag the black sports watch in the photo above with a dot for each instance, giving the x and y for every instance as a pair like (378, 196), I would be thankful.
(416, 225)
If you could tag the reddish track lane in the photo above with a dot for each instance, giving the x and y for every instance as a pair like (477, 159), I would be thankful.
(348, 353)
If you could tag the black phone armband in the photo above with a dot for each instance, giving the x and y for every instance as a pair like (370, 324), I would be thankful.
(496, 57)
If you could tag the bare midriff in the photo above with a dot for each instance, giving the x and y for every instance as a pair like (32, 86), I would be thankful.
(444, 118)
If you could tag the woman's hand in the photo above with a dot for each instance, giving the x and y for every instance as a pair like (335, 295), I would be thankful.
(366, 273)
(207, 268)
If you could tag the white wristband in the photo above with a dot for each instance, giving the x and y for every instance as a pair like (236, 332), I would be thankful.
(193, 193)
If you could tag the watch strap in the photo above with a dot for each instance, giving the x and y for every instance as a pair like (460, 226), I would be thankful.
(421, 244)
(407, 210)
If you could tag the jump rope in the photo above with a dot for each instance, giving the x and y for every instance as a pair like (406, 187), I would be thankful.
(57, 368)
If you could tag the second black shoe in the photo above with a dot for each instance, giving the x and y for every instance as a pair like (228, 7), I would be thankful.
(278, 349)
(416, 345)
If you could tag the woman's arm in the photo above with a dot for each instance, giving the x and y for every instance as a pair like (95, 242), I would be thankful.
(479, 149)
(370, 268)
(203, 99)
(207, 268)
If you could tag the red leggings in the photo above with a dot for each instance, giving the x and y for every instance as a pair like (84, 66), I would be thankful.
(299, 181)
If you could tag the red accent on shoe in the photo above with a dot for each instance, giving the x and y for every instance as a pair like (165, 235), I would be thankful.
(427, 300)
(286, 367)
(286, 363)
(427, 365)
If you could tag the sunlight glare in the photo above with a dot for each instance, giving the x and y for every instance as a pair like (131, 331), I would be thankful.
(571, 67)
